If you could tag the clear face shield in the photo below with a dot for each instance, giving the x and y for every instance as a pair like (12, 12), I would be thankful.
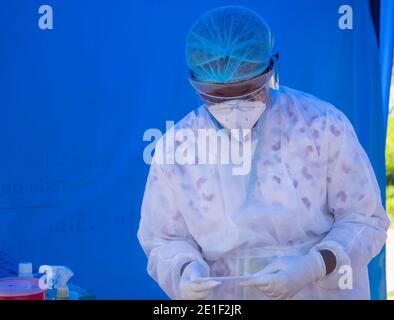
(240, 105)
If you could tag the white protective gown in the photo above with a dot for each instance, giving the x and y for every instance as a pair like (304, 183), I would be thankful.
(311, 186)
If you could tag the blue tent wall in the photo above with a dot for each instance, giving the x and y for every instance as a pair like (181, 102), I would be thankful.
(386, 50)
(76, 100)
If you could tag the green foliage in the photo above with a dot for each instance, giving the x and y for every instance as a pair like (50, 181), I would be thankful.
(390, 201)
(390, 152)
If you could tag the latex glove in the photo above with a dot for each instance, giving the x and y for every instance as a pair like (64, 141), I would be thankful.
(286, 276)
(192, 286)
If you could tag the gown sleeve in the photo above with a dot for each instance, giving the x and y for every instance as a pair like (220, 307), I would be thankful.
(353, 197)
(163, 233)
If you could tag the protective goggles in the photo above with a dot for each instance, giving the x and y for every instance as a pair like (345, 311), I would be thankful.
(255, 89)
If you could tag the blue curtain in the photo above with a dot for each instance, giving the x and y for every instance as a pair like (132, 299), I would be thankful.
(76, 100)
(386, 50)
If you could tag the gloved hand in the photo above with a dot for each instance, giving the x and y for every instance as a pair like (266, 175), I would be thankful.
(192, 286)
(284, 277)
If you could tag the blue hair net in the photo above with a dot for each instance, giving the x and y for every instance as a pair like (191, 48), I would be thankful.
(228, 45)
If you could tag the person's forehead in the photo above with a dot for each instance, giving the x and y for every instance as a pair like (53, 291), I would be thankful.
(238, 89)
(235, 91)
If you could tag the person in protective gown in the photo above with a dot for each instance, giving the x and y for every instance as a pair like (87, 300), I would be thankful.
(302, 223)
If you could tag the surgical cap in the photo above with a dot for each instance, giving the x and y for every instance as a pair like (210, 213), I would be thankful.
(227, 45)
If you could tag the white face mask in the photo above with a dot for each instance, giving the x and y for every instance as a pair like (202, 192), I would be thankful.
(238, 114)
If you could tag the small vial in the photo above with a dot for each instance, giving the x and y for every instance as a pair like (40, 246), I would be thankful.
(25, 270)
